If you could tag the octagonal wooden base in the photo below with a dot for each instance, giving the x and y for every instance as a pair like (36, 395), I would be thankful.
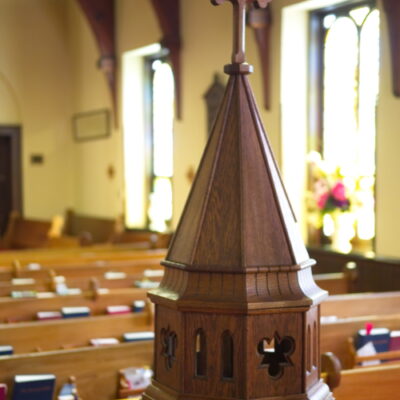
(156, 391)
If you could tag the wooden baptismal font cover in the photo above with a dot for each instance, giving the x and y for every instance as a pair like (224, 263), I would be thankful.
(237, 312)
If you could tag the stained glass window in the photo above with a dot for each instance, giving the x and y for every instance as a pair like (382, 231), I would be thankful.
(342, 166)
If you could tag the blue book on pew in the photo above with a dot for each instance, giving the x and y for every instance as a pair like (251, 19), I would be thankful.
(6, 350)
(34, 387)
(75, 312)
(380, 338)
(138, 336)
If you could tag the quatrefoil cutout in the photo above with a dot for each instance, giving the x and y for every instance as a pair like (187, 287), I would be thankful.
(169, 341)
(276, 354)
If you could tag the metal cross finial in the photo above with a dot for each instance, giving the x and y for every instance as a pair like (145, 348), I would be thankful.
(239, 25)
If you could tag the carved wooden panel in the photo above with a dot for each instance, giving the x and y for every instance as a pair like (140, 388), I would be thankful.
(214, 326)
(281, 327)
(168, 347)
(312, 352)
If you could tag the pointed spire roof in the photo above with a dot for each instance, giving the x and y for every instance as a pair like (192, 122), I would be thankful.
(238, 215)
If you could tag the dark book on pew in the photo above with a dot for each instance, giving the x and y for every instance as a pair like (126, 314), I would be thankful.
(138, 336)
(3, 391)
(138, 305)
(6, 350)
(380, 338)
(75, 312)
(33, 387)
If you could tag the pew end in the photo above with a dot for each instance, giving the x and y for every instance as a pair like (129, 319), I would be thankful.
(331, 370)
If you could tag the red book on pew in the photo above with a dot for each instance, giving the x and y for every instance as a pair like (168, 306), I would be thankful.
(115, 310)
(394, 341)
(48, 315)
(3, 391)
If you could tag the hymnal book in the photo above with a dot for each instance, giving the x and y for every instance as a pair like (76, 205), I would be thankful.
(69, 391)
(138, 305)
(33, 387)
(114, 310)
(394, 341)
(114, 275)
(45, 295)
(146, 284)
(134, 380)
(73, 291)
(367, 350)
(23, 281)
(22, 294)
(103, 341)
(34, 267)
(153, 273)
(379, 337)
(48, 315)
(74, 312)
(6, 350)
(138, 336)
(3, 391)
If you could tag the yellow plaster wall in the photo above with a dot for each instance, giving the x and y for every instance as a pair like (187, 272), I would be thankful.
(34, 93)
(73, 83)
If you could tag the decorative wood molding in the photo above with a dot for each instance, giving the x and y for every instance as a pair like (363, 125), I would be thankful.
(259, 19)
(392, 8)
(100, 15)
(168, 14)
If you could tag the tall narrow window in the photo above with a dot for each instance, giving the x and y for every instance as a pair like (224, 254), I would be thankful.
(227, 355)
(162, 95)
(343, 161)
(201, 354)
(148, 115)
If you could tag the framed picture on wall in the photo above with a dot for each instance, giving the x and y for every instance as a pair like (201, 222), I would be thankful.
(91, 125)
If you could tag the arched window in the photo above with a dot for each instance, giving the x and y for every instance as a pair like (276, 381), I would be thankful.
(227, 355)
(201, 354)
(343, 124)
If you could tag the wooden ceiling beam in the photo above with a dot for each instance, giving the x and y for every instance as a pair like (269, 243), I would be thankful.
(101, 17)
(168, 14)
(392, 8)
(259, 19)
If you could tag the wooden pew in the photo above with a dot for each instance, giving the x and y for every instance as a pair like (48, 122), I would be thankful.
(375, 274)
(369, 383)
(79, 270)
(25, 309)
(28, 337)
(335, 283)
(351, 305)
(95, 369)
(335, 334)
(77, 256)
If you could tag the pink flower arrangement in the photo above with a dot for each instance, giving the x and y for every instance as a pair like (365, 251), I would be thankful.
(332, 198)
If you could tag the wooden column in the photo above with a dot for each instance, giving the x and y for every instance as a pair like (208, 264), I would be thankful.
(237, 312)
(392, 8)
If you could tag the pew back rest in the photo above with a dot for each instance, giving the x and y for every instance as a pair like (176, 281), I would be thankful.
(25, 233)
(89, 228)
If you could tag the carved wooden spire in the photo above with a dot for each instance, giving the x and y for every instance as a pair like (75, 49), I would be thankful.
(237, 312)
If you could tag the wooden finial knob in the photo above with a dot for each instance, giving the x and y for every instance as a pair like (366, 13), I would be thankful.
(239, 25)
